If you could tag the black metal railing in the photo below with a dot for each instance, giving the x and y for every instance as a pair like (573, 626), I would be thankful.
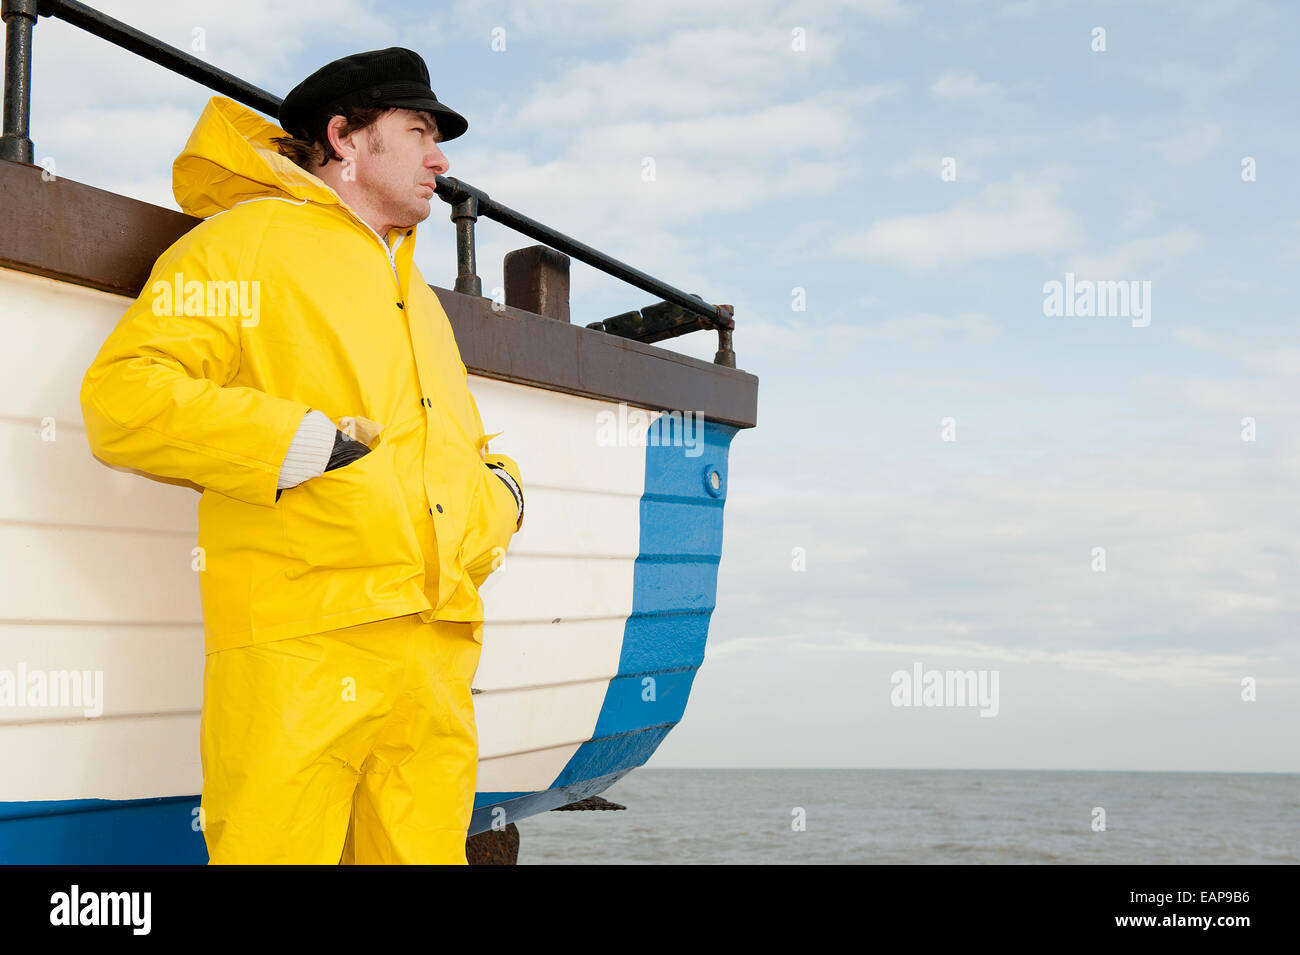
(467, 202)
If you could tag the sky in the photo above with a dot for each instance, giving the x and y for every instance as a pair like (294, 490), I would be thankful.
(885, 190)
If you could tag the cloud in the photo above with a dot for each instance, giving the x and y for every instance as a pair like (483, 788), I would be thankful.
(815, 125)
(951, 384)
(126, 150)
(954, 87)
(1189, 143)
(1006, 220)
(636, 187)
(258, 42)
(1127, 259)
(1177, 666)
(689, 73)
(1198, 337)
(1282, 359)
(923, 328)
(986, 545)
(1239, 38)
(917, 329)
(589, 21)
(1236, 398)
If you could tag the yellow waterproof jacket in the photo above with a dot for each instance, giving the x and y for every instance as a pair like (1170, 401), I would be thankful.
(284, 301)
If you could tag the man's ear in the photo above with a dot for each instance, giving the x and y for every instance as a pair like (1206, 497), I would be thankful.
(341, 145)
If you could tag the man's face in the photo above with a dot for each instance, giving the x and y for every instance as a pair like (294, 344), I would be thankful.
(396, 170)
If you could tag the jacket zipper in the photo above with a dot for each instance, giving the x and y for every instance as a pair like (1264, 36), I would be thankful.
(392, 262)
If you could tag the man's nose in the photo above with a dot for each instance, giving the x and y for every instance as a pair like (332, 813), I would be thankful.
(438, 162)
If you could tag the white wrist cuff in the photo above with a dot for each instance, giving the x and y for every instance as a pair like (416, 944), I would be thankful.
(504, 475)
(309, 451)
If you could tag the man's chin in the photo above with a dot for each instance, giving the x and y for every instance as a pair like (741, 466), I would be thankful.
(417, 214)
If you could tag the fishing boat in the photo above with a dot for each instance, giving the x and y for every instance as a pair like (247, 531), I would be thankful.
(596, 622)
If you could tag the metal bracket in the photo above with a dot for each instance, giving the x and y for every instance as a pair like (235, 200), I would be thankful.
(662, 320)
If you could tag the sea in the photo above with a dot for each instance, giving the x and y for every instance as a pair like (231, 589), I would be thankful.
(896, 816)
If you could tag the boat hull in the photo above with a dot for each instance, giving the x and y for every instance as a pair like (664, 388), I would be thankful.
(596, 622)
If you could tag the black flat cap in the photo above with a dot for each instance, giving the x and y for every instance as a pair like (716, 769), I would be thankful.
(394, 77)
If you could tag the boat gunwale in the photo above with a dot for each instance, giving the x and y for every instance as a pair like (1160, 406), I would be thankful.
(83, 235)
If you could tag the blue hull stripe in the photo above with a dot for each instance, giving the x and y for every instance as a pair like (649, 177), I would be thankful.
(674, 591)
(102, 832)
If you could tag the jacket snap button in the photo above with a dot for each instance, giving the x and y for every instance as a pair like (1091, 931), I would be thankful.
(400, 305)
(430, 510)
(439, 506)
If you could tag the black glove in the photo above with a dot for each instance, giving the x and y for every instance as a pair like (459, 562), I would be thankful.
(346, 450)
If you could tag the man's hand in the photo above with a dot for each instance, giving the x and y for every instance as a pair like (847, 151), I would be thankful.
(346, 450)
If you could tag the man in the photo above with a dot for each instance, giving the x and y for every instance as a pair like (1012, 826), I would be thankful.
(287, 357)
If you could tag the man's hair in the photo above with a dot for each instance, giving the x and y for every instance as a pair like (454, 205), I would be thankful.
(315, 151)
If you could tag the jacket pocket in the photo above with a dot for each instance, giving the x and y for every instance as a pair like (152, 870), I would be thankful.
(351, 517)
(491, 525)
(243, 552)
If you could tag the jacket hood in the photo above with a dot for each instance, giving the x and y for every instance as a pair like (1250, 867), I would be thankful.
(229, 158)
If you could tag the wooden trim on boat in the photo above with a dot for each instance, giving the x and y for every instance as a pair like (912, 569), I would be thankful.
(77, 233)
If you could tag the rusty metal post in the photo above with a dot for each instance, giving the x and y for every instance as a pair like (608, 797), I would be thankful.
(724, 355)
(15, 142)
(725, 325)
(465, 213)
(537, 280)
